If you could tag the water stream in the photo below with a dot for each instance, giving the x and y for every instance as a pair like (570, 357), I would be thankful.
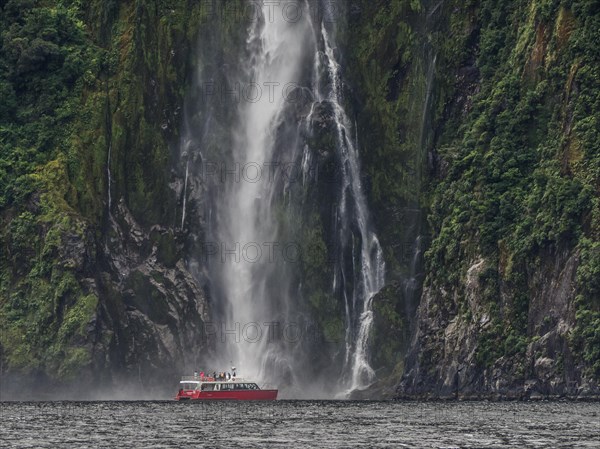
(355, 235)
(254, 284)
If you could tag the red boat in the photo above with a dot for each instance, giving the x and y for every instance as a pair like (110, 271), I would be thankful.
(209, 388)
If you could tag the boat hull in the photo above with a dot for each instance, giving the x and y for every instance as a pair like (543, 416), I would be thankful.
(238, 395)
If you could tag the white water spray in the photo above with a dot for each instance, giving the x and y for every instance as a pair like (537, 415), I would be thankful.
(251, 292)
(108, 174)
(187, 172)
(369, 276)
(246, 220)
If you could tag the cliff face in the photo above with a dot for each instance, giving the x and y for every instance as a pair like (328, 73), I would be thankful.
(479, 138)
(478, 130)
(510, 305)
(93, 282)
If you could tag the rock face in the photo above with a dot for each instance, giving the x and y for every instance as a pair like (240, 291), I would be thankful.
(510, 306)
(144, 326)
(94, 286)
(158, 323)
(445, 357)
(477, 127)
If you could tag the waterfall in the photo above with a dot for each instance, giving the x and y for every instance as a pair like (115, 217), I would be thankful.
(252, 287)
(368, 267)
(258, 128)
(185, 184)
(425, 115)
(108, 174)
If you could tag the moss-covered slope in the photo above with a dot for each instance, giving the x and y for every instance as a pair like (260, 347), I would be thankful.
(478, 127)
(90, 93)
(511, 303)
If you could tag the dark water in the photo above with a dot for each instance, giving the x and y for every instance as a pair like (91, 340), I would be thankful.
(293, 424)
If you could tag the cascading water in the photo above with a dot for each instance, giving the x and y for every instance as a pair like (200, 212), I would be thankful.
(109, 175)
(412, 280)
(246, 222)
(251, 282)
(185, 184)
(353, 224)
(186, 155)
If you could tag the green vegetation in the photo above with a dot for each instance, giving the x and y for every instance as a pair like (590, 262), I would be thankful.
(43, 66)
(515, 122)
(390, 338)
(523, 166)
(46, 63)
(77, 81)
(317, 272)
(516, 165)
(585, 339)
(384, 50)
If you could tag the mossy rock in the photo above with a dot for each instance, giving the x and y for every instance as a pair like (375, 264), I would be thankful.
(390, 331)
(143, 295)
(168, 251)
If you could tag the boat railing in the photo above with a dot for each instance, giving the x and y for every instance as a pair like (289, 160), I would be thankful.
(210, 379)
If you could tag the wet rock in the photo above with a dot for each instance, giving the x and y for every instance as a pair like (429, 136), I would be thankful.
(442, 358)
(152, 310)
(77, 250)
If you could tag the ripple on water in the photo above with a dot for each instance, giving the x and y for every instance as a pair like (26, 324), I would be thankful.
(299, 424)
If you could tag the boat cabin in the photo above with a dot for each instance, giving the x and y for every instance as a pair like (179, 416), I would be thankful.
(213, 385)
(228, 386)
(209, 388)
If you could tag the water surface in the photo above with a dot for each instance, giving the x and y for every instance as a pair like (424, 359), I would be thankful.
(292, 424)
